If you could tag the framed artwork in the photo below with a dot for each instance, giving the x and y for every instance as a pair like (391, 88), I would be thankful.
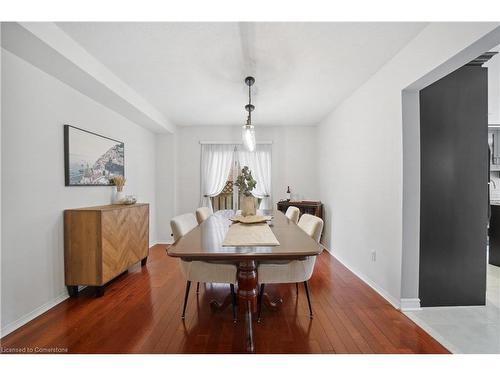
(91, 159)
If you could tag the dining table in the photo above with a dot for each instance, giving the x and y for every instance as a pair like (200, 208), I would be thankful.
(205, 243)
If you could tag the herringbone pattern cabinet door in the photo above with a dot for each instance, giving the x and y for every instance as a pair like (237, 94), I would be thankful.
(124, 239)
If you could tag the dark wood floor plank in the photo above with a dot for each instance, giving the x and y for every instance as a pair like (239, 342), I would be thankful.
(350, 312)
(140, 313)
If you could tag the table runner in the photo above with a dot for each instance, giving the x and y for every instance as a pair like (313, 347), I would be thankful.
(250, 235)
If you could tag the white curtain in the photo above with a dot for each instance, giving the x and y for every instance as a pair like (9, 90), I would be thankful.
(259, 163)
(216, 161)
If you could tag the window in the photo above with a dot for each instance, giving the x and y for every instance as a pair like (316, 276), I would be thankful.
(221, 164)
(228, 199)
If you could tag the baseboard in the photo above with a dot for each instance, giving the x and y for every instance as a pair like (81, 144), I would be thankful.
(11, 327)
(405, 304)
(410, 304)
(377, 288)
(18, 323)
(164, 242)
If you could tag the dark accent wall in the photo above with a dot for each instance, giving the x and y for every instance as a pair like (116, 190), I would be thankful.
(494, 233)
(454, 189)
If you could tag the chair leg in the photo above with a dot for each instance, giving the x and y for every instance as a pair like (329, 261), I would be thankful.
(198, 288)
(259, 302)
(233, 295)
(297, 288)
(188, 285)
(308, 299)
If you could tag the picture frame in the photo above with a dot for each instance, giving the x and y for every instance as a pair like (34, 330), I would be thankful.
(91, 159)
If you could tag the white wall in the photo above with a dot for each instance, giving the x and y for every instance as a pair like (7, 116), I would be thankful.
(361, 156)
(35, 107)
(494, 88)
(294, 160)
(494, 110)
(165, 185)
(1, 53)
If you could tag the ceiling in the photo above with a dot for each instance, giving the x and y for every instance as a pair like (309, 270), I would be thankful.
(193, 72)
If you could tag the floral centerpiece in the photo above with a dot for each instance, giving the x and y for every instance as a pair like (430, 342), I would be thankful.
(246, 183)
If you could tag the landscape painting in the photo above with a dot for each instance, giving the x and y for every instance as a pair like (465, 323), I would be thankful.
(91, 159)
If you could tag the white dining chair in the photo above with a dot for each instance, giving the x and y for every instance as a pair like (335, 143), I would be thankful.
(203, 213)
(293, 214)
(295, 271)
(199, 271)
(312, 225)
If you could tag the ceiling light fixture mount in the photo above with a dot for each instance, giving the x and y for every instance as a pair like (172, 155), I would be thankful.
(248, 130)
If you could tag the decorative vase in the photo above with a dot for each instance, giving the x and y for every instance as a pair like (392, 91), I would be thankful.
(248, 206)
(119, 197)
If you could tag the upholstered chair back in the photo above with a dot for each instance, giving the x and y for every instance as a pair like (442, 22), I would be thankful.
(293, 214)
(312, 225)
(182, 224)
(203, 213)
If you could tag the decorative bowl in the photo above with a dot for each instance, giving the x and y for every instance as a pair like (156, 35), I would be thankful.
(129, 199)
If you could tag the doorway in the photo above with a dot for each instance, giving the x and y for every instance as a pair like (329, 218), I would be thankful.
(462, 321)
(454, 188)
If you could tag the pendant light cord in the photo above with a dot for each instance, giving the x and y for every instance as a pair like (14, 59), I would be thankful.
(249, 103)
(249, 107)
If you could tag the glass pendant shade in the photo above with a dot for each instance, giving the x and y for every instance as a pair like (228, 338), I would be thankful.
(248, 135)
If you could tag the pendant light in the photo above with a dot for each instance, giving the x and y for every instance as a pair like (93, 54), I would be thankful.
(248, 130)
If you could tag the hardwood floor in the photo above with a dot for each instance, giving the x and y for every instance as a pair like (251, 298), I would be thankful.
(140, 313)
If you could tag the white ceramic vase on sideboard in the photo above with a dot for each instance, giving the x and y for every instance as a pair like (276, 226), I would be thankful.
(119, 197)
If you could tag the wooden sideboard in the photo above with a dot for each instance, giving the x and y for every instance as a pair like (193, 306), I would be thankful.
(102, 242)
(306, 207)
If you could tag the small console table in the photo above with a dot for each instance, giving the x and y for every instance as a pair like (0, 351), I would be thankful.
(306, 207)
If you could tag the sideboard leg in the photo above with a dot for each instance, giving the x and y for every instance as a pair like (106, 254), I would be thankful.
(72, 290)
(144, 261)
(99, 291)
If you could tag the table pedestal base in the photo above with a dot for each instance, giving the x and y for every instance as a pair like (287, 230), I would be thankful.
(221, 306)
(247, 295)
(272, 304)
(247, 299)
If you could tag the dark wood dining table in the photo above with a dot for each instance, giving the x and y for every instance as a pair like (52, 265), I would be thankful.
(204, 243)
